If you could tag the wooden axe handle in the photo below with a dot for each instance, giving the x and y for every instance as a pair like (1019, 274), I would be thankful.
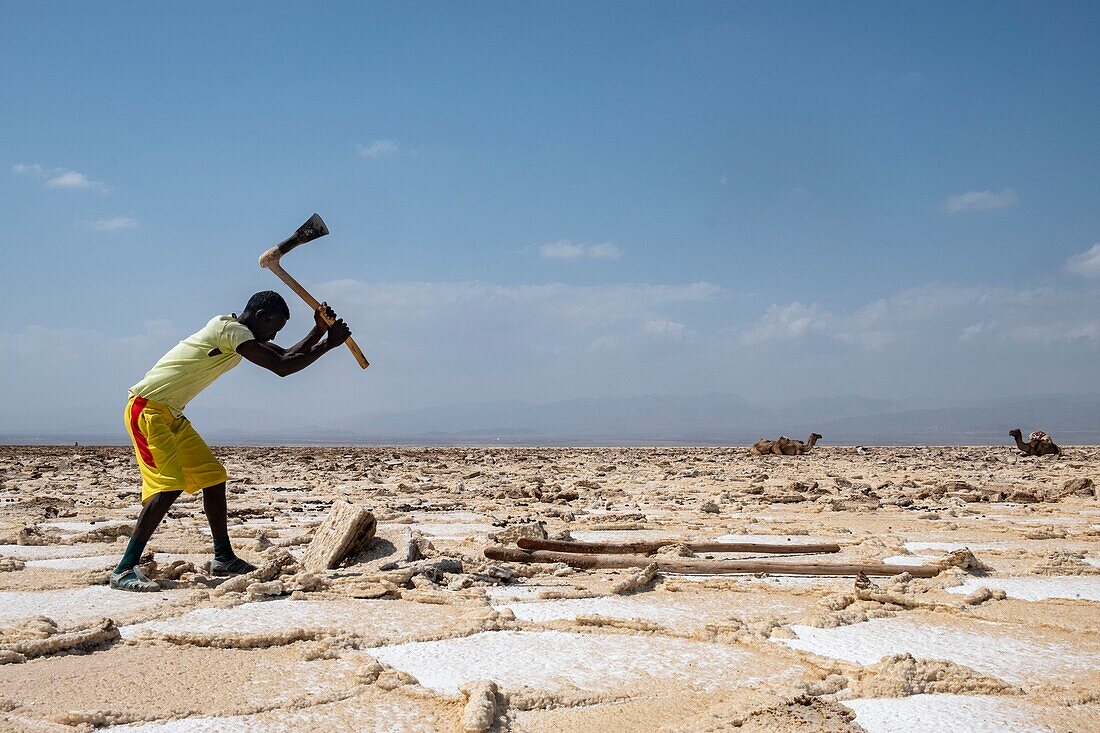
(312, 302)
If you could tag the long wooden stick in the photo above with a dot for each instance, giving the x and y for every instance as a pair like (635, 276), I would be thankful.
(703, 567)
(643, 547)
(312, 303)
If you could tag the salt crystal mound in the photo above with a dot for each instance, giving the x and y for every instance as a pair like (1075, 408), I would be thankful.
(383, 620)
(50, 552)
(78, 604)
(1075, 587)
(1014, 659)
(97, 562)
(555, 660)
(944, 714)
(401, 715)
(678, 614)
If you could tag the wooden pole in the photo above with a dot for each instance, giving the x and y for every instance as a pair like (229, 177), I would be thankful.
(704, 567)
(643, 547)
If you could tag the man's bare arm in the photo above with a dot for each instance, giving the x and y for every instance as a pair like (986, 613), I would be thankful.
(286, 362)
(321, 318)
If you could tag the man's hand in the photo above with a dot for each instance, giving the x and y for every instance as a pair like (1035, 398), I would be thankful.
(338, 333)
(324, 316)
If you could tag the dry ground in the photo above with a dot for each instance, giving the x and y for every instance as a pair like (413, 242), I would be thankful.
(453, 641)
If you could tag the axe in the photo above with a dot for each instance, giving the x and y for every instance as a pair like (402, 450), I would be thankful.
(312, 229)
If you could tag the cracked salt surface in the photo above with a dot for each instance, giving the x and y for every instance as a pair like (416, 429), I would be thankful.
(944, 714)
(623, 535)
(393, 620)
(1084, 587)
(552, 660)
(362, 716)
(77, 604)
(677, 614)
(49, 552)
(1012, 658)
(87, 526)
(97, 562)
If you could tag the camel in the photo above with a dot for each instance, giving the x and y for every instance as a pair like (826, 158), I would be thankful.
(787, 447)
(1038, 443)
(784, 446)
(762, 447)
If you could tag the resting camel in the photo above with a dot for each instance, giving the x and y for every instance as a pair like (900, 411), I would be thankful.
(784, 446)
(1038, 443)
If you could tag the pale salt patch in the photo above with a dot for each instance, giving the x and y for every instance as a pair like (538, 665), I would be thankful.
(953, 546)
(1084, 587)
(551, 660)
(441, 530)
(777, 539)
(396, 715)
(1015, 659)
(87, 526)
(1094, 561)
(503, 594)
(910, 559)
(623, 535)
(76, 604)
(387, 619)
(98, 562)
(50, 552)
(677, 614)
(944, 714)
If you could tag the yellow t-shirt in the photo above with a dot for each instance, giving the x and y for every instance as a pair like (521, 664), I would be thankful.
(194, 363)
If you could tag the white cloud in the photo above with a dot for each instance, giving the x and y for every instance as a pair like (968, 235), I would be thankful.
(1086, 264)
(111, 225)
(563, 249)
(787, 323)
(59, 177)
(378, 148)
(981, 201)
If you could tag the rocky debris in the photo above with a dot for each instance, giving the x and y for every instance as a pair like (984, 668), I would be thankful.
(481, 704)
(983, 594)
(277, 563)
(963, 559)
(1079, 487)
(709, 507)
(511, 533)
(1061, 562)
(10, 564)
(636, 581)
(347, 530)
(902, 675)
(39, 636)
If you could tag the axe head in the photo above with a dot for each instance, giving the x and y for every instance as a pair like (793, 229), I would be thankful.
(312, 229)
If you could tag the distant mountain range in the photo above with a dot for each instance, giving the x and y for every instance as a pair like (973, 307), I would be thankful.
(722, 419)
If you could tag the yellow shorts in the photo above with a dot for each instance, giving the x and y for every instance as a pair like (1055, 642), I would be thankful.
(170, 454)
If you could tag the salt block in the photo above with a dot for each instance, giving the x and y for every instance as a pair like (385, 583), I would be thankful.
(346, 530)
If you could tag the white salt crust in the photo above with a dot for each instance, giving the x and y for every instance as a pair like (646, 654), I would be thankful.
(87, 526)
(552, 660)
(623, 535)
(779, 539)
(371, 618)
(1011, 657)
(945, 714)
(388, 715)
(49, 552)
(910, 559)
(96, 562)
(679, 614)
(1070, 546)
(76, 604)
(1084, 587)
(441, 530)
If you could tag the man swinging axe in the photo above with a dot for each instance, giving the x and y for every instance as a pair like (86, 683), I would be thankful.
(171, 455)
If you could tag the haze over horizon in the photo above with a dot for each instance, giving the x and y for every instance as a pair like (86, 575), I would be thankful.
(536, 204)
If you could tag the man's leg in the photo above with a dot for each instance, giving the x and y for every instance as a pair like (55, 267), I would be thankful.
(225, 561)
(125, 575)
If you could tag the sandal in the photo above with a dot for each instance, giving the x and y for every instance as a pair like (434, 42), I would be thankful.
(133, 580)
(236, 566)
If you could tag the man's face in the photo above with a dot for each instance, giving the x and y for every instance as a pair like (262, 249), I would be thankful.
(267, 324)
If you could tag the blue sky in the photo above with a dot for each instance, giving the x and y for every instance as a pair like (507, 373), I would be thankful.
(544, 201)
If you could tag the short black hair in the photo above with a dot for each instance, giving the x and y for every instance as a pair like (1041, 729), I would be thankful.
(270, 301)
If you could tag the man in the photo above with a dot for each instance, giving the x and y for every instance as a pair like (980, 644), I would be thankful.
(171, 455)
